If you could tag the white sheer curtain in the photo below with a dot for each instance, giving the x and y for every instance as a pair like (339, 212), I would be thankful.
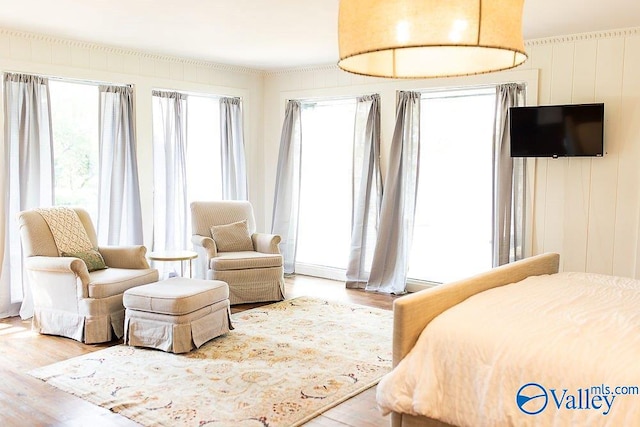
(169, 169)
(119, 211)
(508, 181)
(390, 259)
(367, 190)
(287, 194)
(27, 179)
(234, 170)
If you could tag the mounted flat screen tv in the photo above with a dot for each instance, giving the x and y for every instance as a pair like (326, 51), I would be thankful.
(557, 130)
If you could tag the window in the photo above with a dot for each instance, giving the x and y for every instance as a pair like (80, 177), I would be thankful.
(196, 176)
(204, 176)
(453, 224)
(324, 228)
(204, 162)
(74, 119)
(203, 156)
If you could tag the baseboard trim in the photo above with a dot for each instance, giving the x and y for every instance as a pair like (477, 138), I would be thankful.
(322, 271)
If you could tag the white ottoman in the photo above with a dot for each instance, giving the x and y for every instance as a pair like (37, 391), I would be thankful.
(176, 315)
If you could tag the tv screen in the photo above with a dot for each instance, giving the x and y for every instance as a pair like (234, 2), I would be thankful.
(557, 130)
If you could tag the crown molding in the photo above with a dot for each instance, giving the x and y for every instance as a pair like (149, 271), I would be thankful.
(131, 52)
(310, 68)
(596, 35)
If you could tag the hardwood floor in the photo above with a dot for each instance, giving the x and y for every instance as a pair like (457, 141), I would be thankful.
(26, 401)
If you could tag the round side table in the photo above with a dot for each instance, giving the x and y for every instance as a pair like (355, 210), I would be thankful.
(181, 256)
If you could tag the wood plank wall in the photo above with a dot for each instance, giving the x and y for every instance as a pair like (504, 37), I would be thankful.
(587, 209)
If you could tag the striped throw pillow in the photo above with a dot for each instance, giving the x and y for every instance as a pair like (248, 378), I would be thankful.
(232, 237)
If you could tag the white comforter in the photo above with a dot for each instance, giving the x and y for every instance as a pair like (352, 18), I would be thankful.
(567, 331)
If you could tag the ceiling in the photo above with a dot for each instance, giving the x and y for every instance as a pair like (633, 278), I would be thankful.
(260, 34)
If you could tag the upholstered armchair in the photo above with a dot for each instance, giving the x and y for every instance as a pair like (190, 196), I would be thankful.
(230, 250)
(69, 299)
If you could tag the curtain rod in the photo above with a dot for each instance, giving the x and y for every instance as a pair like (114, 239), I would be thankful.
(200, 94)
(86, 82)
(327, 98)
(464, 88)
(457, 93)
(69, 79)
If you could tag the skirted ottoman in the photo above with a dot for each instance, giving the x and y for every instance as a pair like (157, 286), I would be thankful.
(177, 314)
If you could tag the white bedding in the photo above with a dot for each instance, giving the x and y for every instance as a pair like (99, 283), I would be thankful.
(563, 331)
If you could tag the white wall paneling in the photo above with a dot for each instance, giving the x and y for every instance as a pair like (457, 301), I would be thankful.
(628, 192)
(604, 172)
(588, 208)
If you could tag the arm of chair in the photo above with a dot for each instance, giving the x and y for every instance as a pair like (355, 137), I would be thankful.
(266, 243)
(206, 243)
(60, 272)
(132, 257)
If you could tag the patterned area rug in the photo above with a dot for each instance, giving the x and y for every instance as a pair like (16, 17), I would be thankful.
(284, 364)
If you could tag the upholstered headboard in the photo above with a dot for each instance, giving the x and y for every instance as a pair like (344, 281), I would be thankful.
(413, 312)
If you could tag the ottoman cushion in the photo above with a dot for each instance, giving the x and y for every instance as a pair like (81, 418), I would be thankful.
(177, 314)
(176, 296)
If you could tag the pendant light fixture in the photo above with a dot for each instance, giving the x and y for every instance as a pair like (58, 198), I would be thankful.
(430, 38)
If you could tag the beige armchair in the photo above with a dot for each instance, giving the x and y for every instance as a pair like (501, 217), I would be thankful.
(69, 300)
(230, 250)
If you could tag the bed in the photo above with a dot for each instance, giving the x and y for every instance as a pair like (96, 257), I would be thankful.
(539, 351)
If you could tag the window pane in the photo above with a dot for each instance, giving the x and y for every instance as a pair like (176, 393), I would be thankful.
(204, 176)
(202, 160)
(74, 119)
(452, 235)
(324, 228)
